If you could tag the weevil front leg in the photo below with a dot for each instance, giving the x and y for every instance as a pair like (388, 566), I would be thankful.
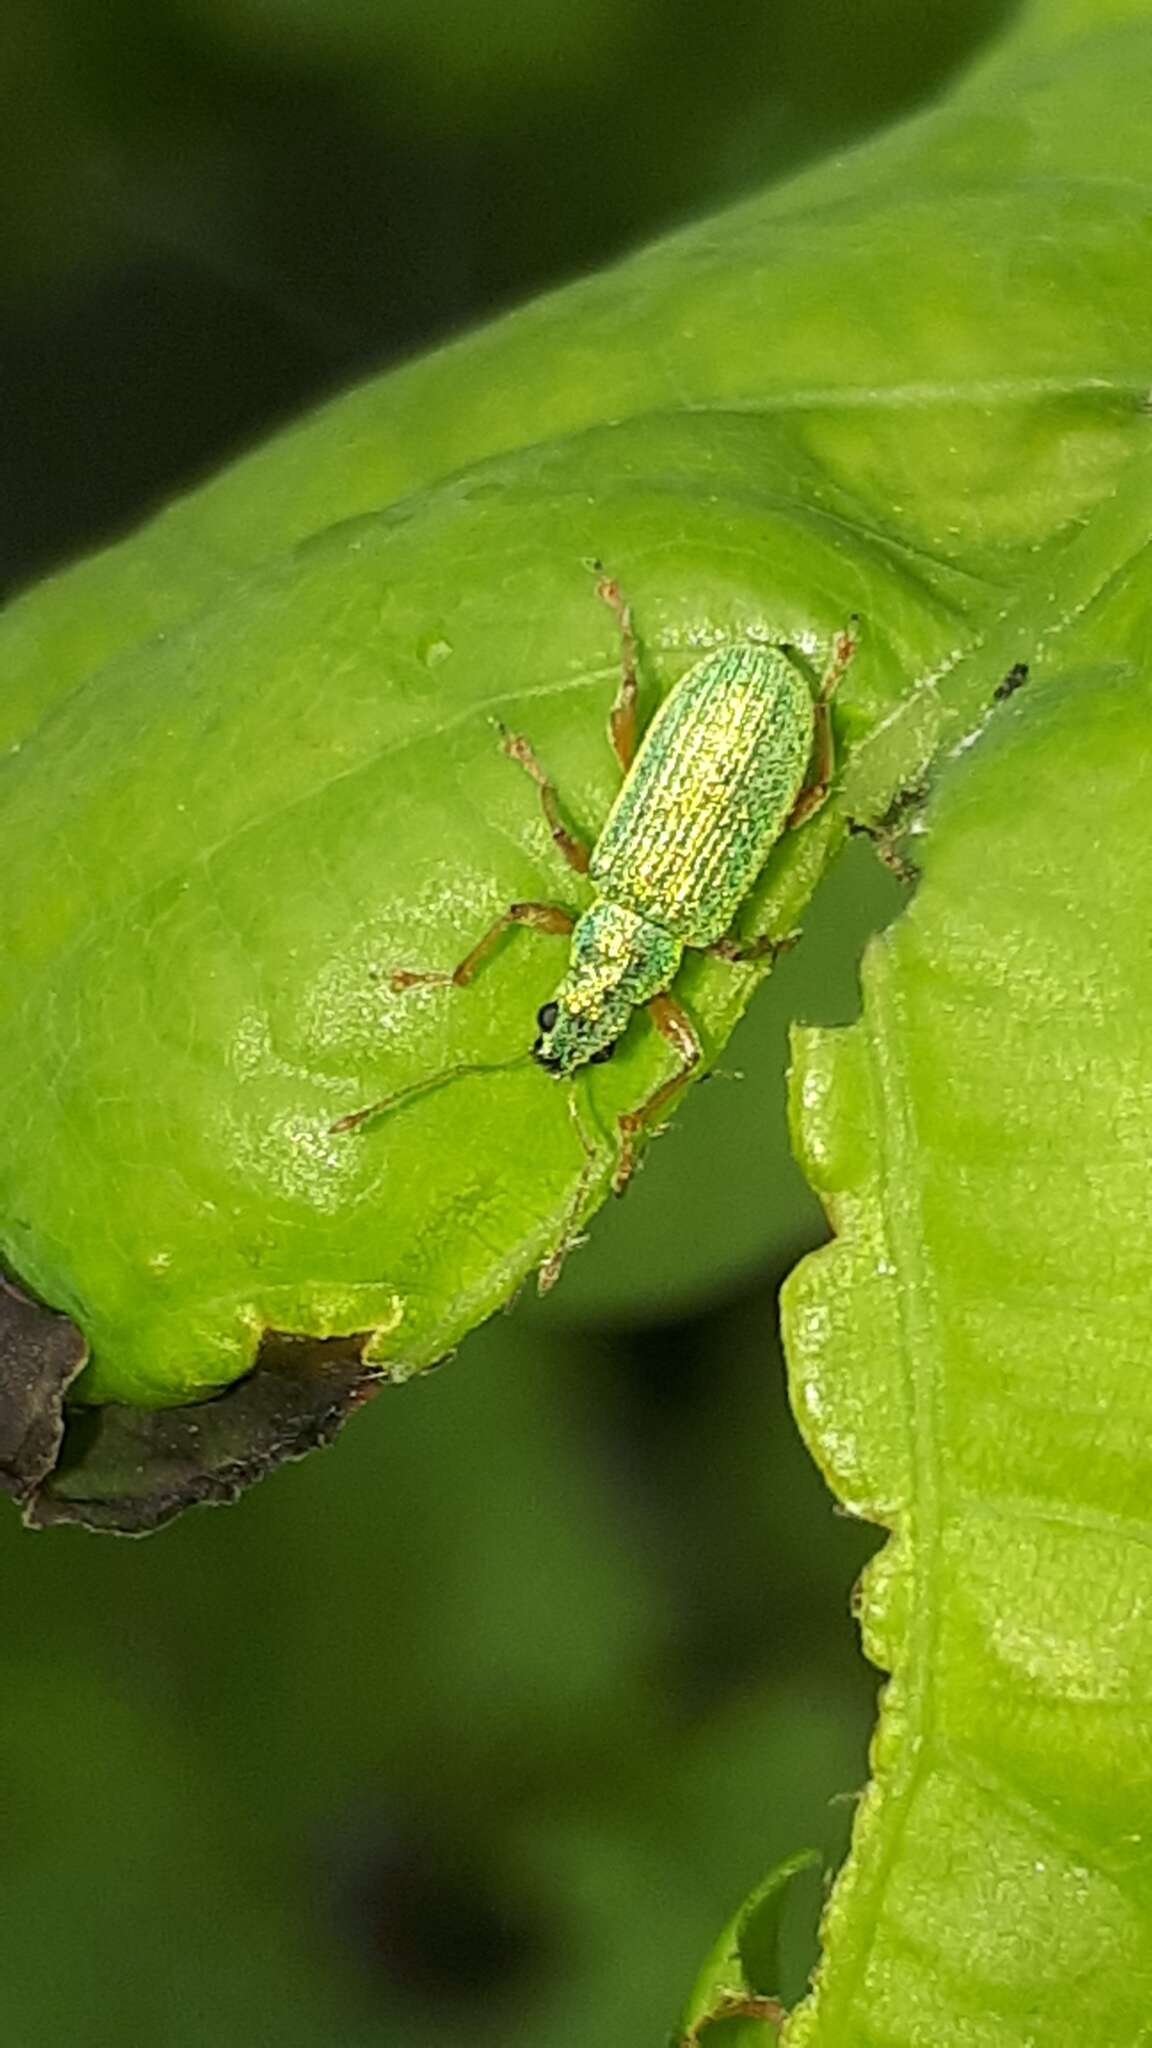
(538, 917)
(622, 719)
(823, 750)
(677, 1027)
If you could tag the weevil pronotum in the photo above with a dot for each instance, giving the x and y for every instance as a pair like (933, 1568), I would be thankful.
(739, 751)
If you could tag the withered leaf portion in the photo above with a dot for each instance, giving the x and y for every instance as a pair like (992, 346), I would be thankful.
(130, 1470)
(40, 1355)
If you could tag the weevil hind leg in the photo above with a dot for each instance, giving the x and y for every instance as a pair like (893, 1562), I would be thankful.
(743, 952)
(623, 720)
(673, 1023)
(539, 917)
(736, 2008)
(815, 791)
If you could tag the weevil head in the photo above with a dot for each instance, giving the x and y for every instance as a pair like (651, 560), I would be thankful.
(571, 1038)
(618, 962)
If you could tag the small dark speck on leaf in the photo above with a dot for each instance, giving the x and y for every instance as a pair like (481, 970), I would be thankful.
(1016, 675)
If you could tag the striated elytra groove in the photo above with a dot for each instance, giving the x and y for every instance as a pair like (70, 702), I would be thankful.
(969, 1363)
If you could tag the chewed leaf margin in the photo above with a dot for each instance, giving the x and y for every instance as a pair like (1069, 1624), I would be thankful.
(128, 1471)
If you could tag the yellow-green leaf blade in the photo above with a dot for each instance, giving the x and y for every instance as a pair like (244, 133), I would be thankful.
(970, 1366)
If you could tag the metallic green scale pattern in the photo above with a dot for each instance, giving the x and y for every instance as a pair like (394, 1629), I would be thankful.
(709, 793)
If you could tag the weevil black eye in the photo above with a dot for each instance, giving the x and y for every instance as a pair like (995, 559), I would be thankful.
(605, 1053)
(546, 1017)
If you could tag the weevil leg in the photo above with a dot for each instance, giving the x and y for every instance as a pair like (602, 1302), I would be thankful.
(823, 751)
(553, 1265)
(895, 824)
(539, 917)
(742, 952)
(768, 2009)
(677, 1027)
(573, 849)
(622, 719)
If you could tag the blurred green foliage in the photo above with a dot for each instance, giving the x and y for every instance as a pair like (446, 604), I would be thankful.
(480, 1728)
(474, 1730)
(211, 211)
(127, 123)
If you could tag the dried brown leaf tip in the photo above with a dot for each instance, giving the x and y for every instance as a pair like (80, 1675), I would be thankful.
(130, 1470)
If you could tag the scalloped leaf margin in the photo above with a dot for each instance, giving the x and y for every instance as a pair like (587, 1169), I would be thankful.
(969, 1367)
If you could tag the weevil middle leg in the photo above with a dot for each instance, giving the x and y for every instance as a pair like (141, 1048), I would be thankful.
(623, 725)
(574, 850)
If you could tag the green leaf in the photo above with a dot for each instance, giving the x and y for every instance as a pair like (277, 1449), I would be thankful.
(252, 766)
(743, 1971)
(969, 1364)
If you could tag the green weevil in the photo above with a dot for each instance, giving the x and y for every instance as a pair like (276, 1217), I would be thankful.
(739, 751)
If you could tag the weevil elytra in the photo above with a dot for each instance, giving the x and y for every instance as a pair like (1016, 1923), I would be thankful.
(739, 751)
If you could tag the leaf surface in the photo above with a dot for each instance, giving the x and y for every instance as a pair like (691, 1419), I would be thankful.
(252, 766)
(969, 1365)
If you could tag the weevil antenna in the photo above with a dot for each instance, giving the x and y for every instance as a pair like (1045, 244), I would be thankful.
(464, 1068)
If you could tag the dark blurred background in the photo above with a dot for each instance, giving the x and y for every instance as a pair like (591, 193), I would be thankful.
(477, 1728)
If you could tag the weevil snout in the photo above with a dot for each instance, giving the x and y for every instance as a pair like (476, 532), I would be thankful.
(546, 1019)
(558, 1057)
